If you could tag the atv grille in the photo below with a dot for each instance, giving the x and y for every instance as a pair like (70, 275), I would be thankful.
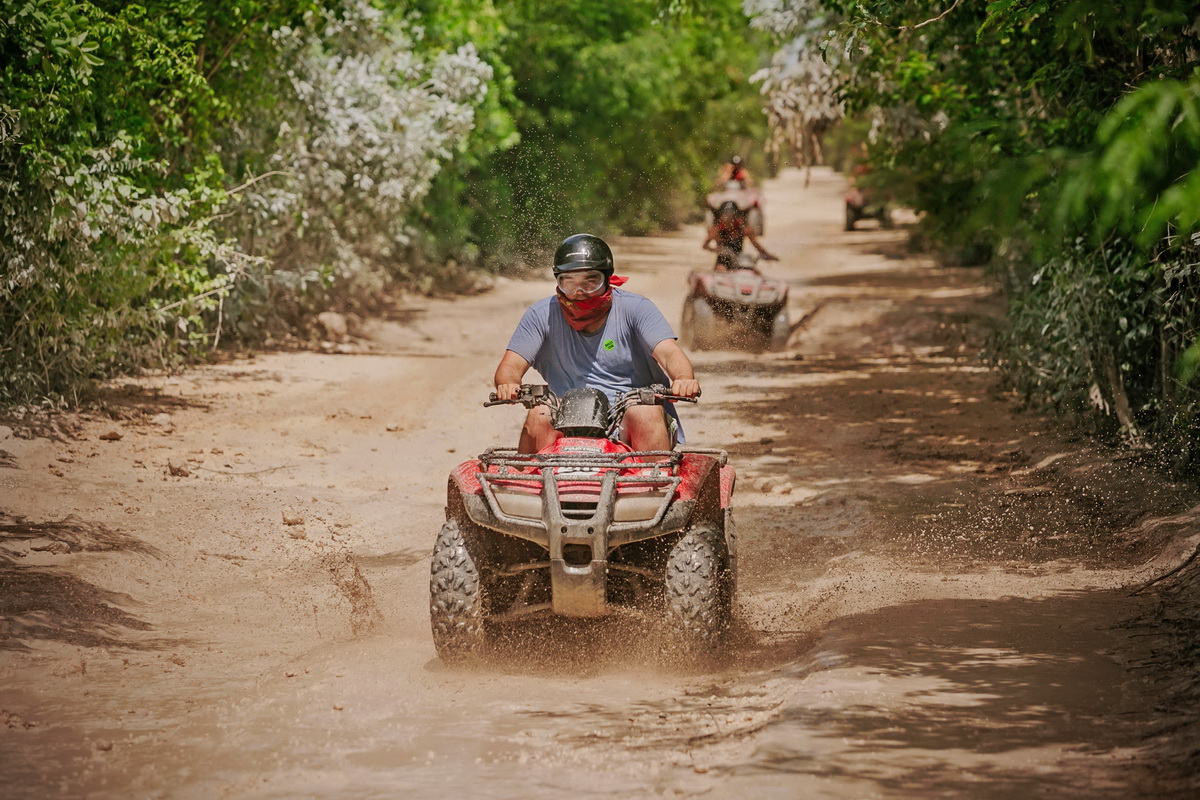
(579, 509)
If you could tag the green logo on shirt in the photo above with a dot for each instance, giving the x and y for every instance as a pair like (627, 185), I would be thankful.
(610, 345)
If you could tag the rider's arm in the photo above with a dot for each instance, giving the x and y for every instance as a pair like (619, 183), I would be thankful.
(509, 372)
(712, 237)
(754, 240)
(678, 368)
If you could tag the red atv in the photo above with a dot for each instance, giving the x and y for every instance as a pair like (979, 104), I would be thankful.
(738, 307)
(585, 528)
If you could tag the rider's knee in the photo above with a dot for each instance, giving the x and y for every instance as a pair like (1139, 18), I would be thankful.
(645, 421)
(537, 432)
(538, 420)
(644, 415)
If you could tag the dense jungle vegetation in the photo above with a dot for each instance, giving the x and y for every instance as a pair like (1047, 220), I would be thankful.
(177, 173)
(1057, 141)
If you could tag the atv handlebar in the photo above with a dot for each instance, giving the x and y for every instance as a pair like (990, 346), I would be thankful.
(535, 394)
(529, 395)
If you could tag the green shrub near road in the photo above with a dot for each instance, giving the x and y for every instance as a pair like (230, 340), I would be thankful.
(177, 173)
(1057, 141)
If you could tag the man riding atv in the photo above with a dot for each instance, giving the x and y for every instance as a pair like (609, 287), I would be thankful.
(597, 512)
(727, 237)
(735, 170)
(591, 334)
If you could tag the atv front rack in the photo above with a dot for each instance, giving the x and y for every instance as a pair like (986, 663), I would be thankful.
(580, 506)
(508, 459)
(546, 478)
(509, 456)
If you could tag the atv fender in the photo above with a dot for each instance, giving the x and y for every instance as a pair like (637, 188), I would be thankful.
(463, 479)
(728, 479)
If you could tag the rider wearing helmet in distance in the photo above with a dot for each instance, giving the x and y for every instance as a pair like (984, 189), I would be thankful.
(727, 236)
(590, 334)
(735, 170)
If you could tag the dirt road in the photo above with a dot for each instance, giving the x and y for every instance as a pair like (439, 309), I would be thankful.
(218, 588)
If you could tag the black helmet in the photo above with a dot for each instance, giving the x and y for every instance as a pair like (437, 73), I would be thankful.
(727, 208)
(583, 251)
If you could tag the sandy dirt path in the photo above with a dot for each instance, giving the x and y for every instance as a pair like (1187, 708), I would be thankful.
(218, 587)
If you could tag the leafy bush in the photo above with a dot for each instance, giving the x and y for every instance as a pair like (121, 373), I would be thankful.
(175, 174)
(337, 165)
(153, 197)
(1060, 141)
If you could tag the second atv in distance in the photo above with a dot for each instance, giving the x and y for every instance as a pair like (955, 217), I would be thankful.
(735, 308)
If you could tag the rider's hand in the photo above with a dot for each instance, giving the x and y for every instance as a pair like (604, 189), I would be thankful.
(685, 387)
(507, 391)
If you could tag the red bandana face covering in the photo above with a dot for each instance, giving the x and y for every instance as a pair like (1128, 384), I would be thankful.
(580, 314)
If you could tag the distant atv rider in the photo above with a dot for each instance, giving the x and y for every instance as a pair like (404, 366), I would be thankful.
(735, 170)
(590, 334)
(727, 236)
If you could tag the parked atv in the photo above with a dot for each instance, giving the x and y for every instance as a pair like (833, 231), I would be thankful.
(862, 204)
(748, 200)
(739, 307)
(585, 528)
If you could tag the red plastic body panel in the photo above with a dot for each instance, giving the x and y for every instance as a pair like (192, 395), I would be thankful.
(694, 469)
(464, 477)
(728, 479)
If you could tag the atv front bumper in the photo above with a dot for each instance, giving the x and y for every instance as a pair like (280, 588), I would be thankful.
(579, 539)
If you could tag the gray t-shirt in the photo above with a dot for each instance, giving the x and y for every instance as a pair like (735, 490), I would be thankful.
(615, 359)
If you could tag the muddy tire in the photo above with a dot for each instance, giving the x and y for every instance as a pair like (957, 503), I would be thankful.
(698, 592)
(698, 325)
(455, 598)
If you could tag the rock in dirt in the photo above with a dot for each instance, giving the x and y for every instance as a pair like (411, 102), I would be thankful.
(49, 546)
(293, 518)
(5, 432)
(180, 471)
(111, 436)
(164, 421)
(334, 324)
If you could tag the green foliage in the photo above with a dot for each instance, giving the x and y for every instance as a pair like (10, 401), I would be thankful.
(1143, 179)
(1060, 141)
(174, 173)
(619, 113)
(99, 224)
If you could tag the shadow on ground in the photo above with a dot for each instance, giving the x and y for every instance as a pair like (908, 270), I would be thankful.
(946, 471)
(984, 684)
(45, 602)
(944, 698)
